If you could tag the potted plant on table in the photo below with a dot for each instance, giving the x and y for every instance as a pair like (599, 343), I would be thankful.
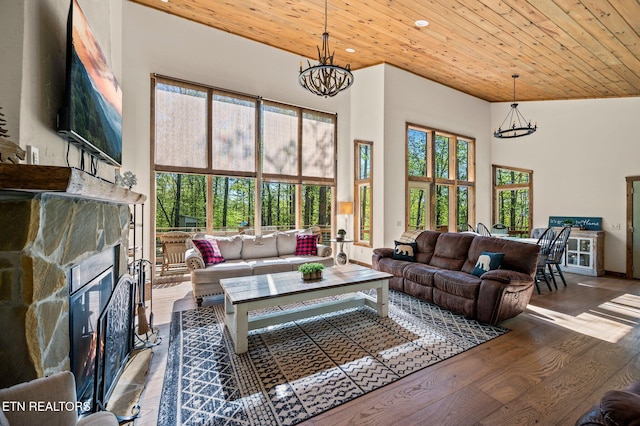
(311, 271)
(341, 234)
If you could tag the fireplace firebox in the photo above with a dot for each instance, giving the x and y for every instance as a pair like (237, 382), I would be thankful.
(101, 326)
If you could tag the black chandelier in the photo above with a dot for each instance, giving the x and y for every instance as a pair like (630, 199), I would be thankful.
(325, 79)
(517, 125)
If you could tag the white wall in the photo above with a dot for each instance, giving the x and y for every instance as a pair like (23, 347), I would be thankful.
(367, 123)
(580, 155)
(33, 52)
(11, 46)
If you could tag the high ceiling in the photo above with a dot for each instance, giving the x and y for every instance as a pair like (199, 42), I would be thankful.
(562, 49)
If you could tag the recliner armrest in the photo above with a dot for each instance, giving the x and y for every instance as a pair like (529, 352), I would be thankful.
(506, 276)
(383, 252)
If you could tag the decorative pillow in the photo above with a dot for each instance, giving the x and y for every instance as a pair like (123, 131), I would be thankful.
(209, 251)
(306, 245)
(487, 261)
(405, 251)
(409, 236)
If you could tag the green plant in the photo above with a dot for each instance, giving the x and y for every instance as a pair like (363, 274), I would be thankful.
(310, 268)
(342, 231)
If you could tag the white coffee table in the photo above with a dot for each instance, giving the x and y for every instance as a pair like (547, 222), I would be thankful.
(244, 294)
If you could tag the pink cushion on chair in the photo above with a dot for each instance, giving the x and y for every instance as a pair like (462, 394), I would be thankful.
(306, 245)
(209, 251)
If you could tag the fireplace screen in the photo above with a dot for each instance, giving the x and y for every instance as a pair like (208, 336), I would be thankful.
(85, 308)
(115, 334)
(101, 326)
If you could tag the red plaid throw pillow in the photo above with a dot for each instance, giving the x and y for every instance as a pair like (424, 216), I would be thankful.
(209, 250)
(306, 245)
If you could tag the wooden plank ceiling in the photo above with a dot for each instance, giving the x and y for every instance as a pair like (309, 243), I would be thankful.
(562, 49)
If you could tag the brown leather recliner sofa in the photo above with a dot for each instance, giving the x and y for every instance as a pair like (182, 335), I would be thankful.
(616, 408)
(442, 274)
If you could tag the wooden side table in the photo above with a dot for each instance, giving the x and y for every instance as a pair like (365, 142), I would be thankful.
(342, 258)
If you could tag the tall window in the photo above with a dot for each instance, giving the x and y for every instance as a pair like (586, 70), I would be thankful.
(512, 199)
(225, 162)
(440, 179)
(363, 180)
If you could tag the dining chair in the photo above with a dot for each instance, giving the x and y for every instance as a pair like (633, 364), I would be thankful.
(555, 255)
(482, 229)
(544, 241)
(537, 232)
(465, 227)
(499, 228)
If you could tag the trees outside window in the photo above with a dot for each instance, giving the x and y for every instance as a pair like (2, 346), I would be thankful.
(513, 199)
(440, 179)
(363, 196)
(225, 162)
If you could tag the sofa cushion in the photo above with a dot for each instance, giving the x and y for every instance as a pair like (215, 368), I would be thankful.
(420, 273)
(487, 261)
(286, 242)
(451, 250)
(259, 247)
(295, 261)
(269, 265)
(306, 245)
(517, 255)
(426, 245)
(209, 251)
(457, 283)
(405, 251)
(230, 247)
(214, 273)
(392, 266)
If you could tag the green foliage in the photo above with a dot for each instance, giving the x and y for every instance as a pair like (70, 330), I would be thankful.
(310, 268)
(181, 203)
(417, 152)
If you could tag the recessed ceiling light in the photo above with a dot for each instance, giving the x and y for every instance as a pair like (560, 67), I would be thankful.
(350, 49)
(164, 1)
(421, 23)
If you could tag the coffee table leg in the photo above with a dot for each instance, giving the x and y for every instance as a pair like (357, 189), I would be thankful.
(382, 299)
(237, 321)
(241, 319)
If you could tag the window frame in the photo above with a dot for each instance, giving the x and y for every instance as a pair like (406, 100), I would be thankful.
(358, 184)
(509, 187)
(432, 181)
(259, 177)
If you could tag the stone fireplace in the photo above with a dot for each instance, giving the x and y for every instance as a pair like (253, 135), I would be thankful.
(51, 242)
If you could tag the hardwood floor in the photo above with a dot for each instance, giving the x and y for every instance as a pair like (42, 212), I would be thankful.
(570, 347)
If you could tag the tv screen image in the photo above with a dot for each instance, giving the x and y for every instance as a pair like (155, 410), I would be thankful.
(92, 115)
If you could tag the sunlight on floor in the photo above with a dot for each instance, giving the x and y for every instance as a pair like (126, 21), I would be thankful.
(610, 321)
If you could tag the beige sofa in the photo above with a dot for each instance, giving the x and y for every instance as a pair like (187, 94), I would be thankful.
(246, 255)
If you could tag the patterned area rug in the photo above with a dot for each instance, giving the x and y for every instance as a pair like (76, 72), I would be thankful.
(299, 369)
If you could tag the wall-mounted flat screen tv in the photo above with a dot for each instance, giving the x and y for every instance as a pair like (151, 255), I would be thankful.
(91, 116)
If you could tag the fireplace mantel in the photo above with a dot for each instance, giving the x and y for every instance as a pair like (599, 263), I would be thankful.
(64, 181)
